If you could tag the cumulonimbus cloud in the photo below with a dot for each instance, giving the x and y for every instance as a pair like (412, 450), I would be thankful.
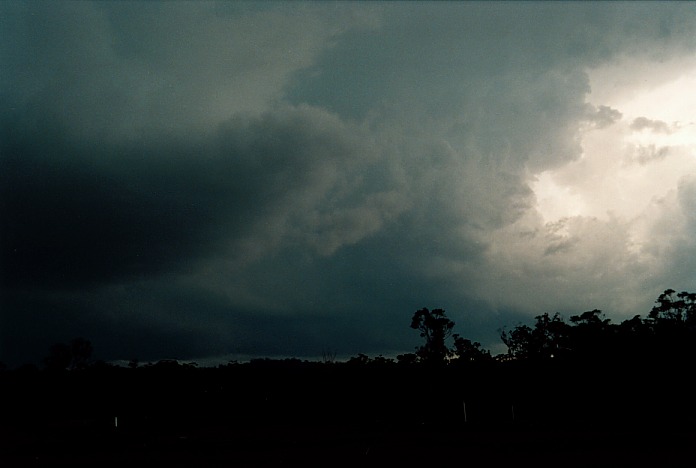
(224, 169)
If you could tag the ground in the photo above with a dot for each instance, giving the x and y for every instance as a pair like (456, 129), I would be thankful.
(82, 443)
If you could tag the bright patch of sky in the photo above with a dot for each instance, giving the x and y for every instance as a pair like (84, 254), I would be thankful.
(607, 226)
(635, 161)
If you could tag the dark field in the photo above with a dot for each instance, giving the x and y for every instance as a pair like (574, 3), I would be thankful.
(77, 443)
(310, 414)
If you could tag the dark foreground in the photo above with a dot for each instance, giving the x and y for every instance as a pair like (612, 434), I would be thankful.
(290, 414)
(75, 443)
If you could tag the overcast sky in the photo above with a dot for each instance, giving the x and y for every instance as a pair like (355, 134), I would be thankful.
(202, 180)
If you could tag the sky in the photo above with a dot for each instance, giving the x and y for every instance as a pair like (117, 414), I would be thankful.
(216, 181)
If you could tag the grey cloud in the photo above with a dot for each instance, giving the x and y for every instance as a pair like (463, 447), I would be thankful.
(485, 82)
(671, 244)
(111, 70)
(645, 154)
(657, 126)
(604, 116)
(561, 246)
(569, 265)
(76, 212)
(687, 199)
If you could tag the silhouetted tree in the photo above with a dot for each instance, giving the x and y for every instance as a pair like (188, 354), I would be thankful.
(689, 304)
(548, 339)
(673, 324)
(668, 308)
(592, 336)
(407, 359)
(469, 351)
(382, 361)
(551, 335)
(593, 318)
(435, 327)
(359, 360)
(674, 309)
(518, 341)
(632, 325)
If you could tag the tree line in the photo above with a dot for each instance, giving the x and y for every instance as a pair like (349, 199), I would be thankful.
(581, 375)
(667, 332)
(580, 372)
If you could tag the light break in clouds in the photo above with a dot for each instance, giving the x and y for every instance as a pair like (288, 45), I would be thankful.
(220, 180)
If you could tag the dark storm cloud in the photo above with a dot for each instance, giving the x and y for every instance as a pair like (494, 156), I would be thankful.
(77, 213)
(475, 74)
(67, 221)
(116, 70)
(163, 318)
(185, 180)
(108, 231)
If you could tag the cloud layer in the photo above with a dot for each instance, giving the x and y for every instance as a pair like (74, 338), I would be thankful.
(192, 180)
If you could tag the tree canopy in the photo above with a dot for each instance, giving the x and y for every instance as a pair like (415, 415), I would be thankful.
(435, 327)
(669, 330)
